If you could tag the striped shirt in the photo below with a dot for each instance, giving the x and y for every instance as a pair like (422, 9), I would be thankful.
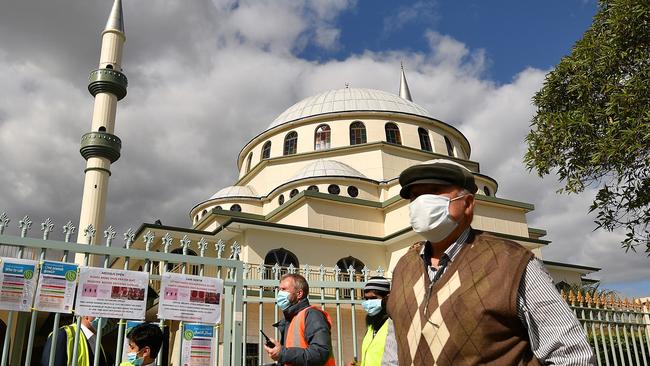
(556, 336)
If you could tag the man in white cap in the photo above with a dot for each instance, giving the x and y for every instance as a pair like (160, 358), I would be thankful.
(465, 297)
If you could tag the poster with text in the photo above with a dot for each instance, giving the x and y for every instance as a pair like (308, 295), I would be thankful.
(129, 325)
(198, 343)
(17, 283)
(56, 287)
(112, 293)
(190, 298)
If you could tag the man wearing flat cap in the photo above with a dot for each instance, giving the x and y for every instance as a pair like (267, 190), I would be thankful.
(464, 297)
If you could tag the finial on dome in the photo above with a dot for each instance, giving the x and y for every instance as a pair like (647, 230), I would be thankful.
(404, 91)
(115, 19)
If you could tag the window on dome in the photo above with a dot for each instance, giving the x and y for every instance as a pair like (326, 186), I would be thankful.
(358, 133)
(248, 162)
(281, 200)
(353, 191)
(205, 212)
(235, 207)
(392, 134)
(322, 139)
(425, 142)
(266, 150)
(218, 208)
(450, 147)
(290, 143)
(486, 190)
(293, 193)
(282, 258)
(334, 189)
(312, 188)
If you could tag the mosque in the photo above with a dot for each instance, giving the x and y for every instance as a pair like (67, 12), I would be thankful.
(319, 186)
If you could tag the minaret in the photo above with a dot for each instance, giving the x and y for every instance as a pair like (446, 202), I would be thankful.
(101, 147)
(404, 91)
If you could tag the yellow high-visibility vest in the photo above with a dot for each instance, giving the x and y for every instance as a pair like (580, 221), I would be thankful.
(372, 349)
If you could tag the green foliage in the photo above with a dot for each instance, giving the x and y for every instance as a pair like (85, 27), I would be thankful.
(592, 123)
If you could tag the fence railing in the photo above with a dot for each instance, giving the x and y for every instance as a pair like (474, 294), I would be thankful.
(18, 347)
(617, 329)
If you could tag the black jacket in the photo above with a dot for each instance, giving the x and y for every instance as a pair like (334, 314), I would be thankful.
(61, 357)
(317, 335)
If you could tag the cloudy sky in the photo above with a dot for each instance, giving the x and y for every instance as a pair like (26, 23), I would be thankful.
(206, 76)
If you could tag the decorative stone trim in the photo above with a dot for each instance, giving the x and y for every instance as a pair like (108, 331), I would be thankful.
(107, 81)
(100, 144)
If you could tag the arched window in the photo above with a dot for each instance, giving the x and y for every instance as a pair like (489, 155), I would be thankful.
(266, 150)
(425, 142)
(205, 212)
(248, 162)
(392, 134)
(357, 133)
(344, 264)
(178, 267)
(353, 191)
(282, 258)
(281, 200)
(312, 188)
(322, 138)
(450, 147)
(486, 190)
(218, 208)
(235, 207)
(290, 143)
(294, 192)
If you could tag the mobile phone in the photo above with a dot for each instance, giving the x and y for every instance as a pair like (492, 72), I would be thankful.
(268, 340)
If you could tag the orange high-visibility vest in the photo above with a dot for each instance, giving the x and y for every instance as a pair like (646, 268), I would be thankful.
(296, 332)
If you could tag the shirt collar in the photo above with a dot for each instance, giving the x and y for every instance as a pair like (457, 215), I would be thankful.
(450, 252)
(87, 332)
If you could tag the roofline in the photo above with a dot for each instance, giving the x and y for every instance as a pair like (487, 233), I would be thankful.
(240, 218)
(240, 157)
(574, 266)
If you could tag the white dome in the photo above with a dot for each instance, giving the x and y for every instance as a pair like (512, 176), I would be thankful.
(323, 168)
(349, 99)
(235, 191)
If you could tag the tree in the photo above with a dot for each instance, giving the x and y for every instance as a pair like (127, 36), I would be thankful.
(592, 124)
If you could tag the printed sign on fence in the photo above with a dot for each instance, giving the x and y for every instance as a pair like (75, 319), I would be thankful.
(18, 283)
(57, 283)
(112, 293)
(190, 298)
(198, 343)
(125, 349)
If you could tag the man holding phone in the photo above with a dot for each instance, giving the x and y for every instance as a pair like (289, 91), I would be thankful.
(305, 330)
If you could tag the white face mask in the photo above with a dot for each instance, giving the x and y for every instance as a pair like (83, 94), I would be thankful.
(430, 217)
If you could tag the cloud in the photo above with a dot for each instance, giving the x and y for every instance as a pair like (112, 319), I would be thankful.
(419, 11)
(205, 78)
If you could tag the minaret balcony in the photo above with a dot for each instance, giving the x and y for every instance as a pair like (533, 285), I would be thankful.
(107, 81)
(100, 144)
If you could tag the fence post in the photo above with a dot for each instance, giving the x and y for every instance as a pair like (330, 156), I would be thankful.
(129, 237)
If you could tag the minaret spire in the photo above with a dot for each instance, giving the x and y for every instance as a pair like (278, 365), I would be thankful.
(115, 19)
(101, 147)
(404, 91)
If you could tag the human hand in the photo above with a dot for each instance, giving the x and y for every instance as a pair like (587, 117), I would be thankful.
(274, 352)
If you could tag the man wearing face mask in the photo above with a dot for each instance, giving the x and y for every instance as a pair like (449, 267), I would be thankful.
(85, 350)
(468, 297)
(304, 331)
(378, 347)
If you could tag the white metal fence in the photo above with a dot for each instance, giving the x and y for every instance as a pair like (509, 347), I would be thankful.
(618, 329)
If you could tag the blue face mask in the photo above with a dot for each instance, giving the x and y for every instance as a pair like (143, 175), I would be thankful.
(372, 307)
(132, 357)
(282, 299)
(95, 324)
